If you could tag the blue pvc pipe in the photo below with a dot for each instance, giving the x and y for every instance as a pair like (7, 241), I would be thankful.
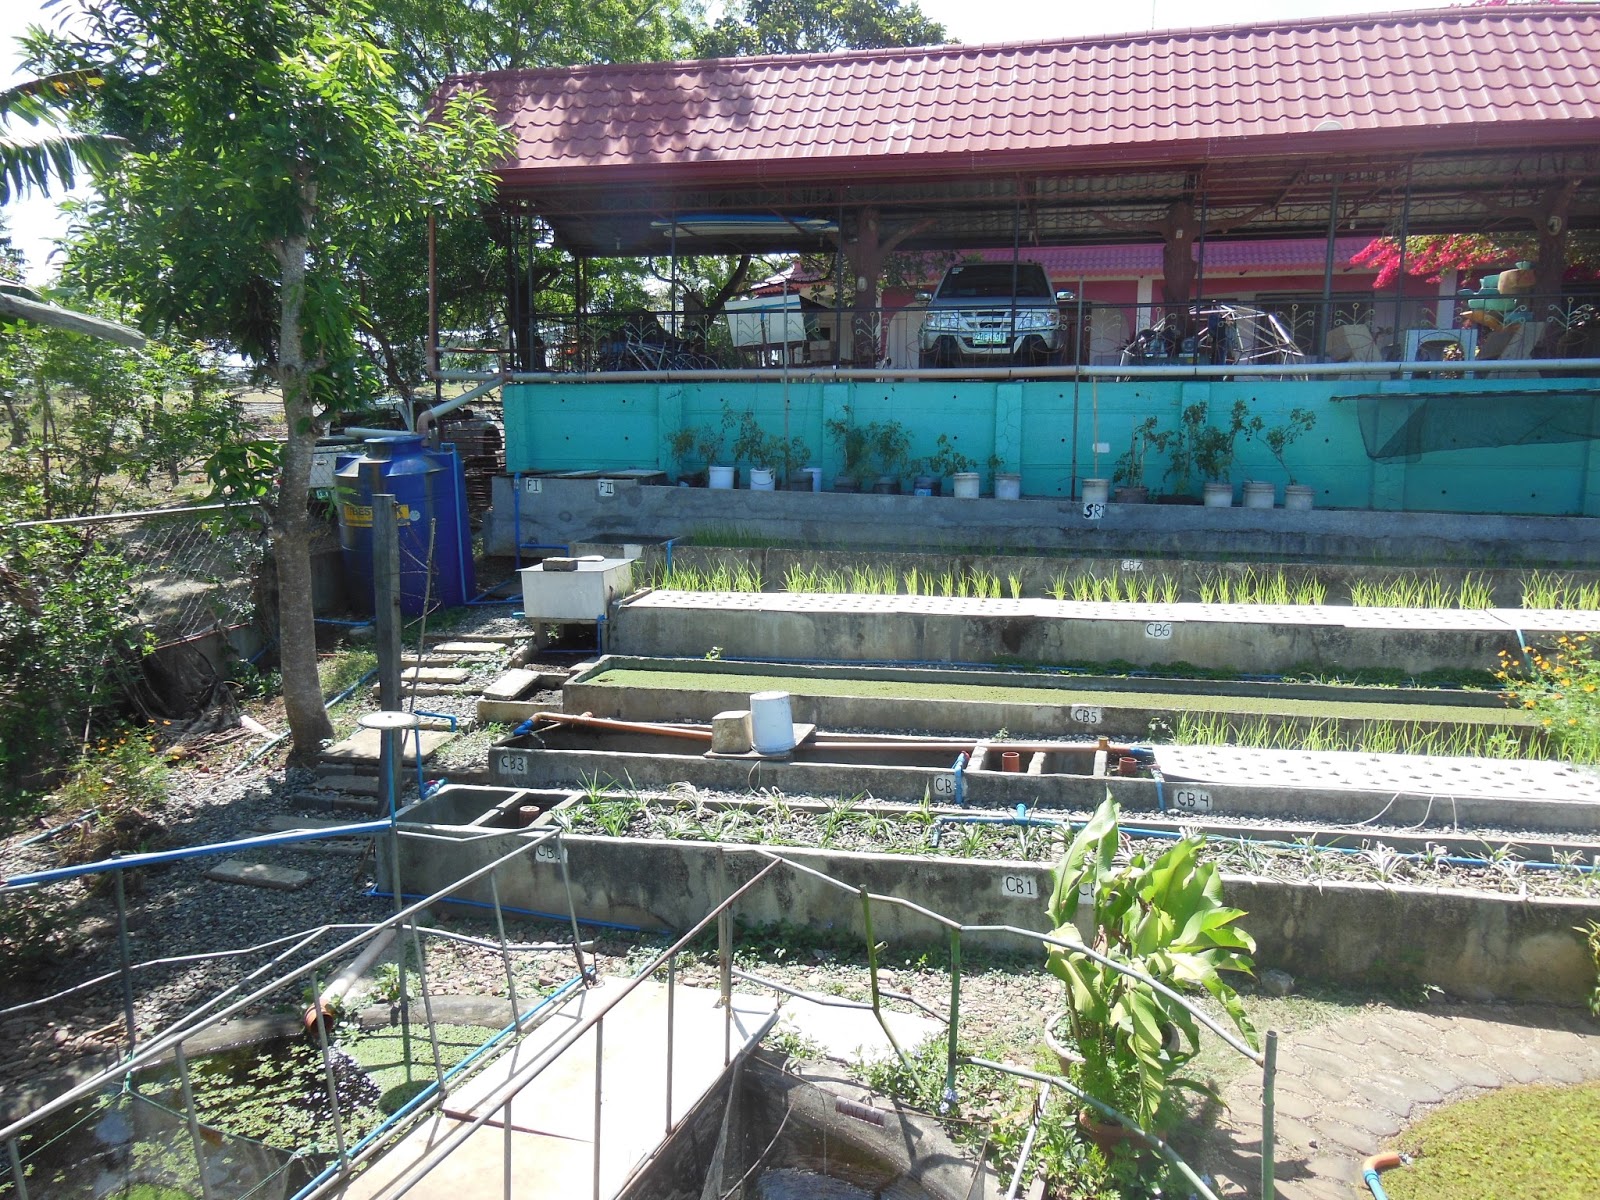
(155, 857)
(960, 768)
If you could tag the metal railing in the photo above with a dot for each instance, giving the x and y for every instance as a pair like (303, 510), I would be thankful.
(1213, 331)
(350, 1154)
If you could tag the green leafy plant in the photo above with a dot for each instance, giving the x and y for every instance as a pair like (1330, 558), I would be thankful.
(1591, 933)
(1213, 447)
(1279, 438)
(946, 460)
(1164, 919)
(1560, 687)
(1129, 467)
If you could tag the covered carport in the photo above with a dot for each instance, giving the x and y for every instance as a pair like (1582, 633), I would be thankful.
(1457, 121)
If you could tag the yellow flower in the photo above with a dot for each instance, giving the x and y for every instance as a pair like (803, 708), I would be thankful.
(1546, 722)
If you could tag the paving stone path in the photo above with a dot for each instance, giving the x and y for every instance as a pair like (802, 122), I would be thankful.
(1344, 1090)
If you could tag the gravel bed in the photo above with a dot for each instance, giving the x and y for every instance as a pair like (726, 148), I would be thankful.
(691, 814)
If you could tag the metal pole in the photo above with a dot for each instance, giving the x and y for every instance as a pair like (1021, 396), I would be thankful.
(327, 1072)
(391, 727)
(1269, 1076)
(386, 599)
(124, 959)
(947, 1102)
(872, 969)
(1325, 321)
(599, 1062)
(1077, 355)
(194, 1120)
(725, 958)
(672, 989)
(1200, 267)
(17, 1179)
(1400, 279)
(506, 1121)
(572, 914)
(427, 1001)
(505, 950)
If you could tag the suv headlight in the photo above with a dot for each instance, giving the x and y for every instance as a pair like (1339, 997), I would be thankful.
(1036, 319)
(944, 322)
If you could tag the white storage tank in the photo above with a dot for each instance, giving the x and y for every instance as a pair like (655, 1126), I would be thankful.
(574, 589)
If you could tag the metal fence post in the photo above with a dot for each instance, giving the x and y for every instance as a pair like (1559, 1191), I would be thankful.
(392, 727)
(948, 1101)
(386, 599)
(1269, 1077)
(572, 911)
(599, 1065)
(124, 962)
(327, 1071)
(505, 949)
(672, 990)
(182, 1060)
(18, 1180)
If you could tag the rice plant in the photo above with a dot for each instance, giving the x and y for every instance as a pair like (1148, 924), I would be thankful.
(801, 579)
(1554, 590)
(914, 581)
(1014, 582)
(1371, 736)
(1474, 591)
(1059, 586)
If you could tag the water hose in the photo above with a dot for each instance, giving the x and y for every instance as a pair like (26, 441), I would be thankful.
(1370, 1168)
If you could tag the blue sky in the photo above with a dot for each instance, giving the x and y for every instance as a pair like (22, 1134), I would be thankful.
(34, 221)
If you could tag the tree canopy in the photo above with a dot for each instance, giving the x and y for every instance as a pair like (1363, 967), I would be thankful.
(816, 26)
(269, 145)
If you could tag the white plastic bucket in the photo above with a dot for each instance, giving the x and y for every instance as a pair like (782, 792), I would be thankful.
(771, 723)
(1299, 497)
(966, 485)
(1259, 493)
(1219, 495)
(816, 477)
(1096, 491)
(1007, 487)
(720, 477)
(762, 479)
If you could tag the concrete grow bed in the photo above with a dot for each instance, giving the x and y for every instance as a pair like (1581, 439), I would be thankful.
(1437, 793)
(1477, 945)
(976, 702)
(1251, 639)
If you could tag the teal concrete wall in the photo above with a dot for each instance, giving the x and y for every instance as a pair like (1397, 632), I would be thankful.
(1048, 429)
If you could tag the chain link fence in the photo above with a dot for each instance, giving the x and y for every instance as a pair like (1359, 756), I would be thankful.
(191, 570)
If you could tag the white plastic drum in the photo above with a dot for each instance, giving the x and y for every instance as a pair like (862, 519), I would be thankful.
(771, 723)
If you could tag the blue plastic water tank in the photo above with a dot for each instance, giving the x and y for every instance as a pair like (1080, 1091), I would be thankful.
(430, 499)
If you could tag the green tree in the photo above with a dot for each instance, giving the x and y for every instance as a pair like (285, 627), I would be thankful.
(816, 26)
(38, 159)
(268, 141)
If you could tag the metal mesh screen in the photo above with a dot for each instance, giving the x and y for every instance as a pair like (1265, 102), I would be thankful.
(129, 1145)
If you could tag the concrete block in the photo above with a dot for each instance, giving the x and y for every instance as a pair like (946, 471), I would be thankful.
(236, 870)
(364, 745)
(730, 732)
(470, 647)
(511, 685)
(435, 675)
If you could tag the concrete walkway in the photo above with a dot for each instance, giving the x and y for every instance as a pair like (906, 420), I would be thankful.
(1345, 1090)
(540, 1141)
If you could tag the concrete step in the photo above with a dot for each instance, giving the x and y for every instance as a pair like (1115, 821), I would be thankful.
(263, 875)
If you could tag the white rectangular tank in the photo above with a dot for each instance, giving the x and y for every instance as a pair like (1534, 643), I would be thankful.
(580, 594)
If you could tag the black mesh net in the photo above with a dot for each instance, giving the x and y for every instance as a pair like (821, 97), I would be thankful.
(1402, 427)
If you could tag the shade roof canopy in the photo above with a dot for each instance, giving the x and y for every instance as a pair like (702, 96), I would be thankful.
(1457, 111)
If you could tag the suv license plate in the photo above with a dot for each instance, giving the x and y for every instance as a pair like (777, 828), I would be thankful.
(992, 337)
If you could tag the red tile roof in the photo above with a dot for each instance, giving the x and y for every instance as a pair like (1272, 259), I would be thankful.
(1446, 79)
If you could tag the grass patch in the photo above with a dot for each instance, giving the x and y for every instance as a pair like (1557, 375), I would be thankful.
(1535, 1141)
(1488, 719)
(342, 668)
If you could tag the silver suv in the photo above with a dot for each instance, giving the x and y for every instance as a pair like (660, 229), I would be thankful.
(991, 313)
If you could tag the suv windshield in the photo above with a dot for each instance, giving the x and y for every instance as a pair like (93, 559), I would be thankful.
(992, 281)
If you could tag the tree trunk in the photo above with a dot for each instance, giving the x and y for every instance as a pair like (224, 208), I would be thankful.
(291, 524)
(1552, 221)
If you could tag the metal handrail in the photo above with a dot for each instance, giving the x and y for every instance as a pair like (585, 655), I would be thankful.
(515, 1082)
